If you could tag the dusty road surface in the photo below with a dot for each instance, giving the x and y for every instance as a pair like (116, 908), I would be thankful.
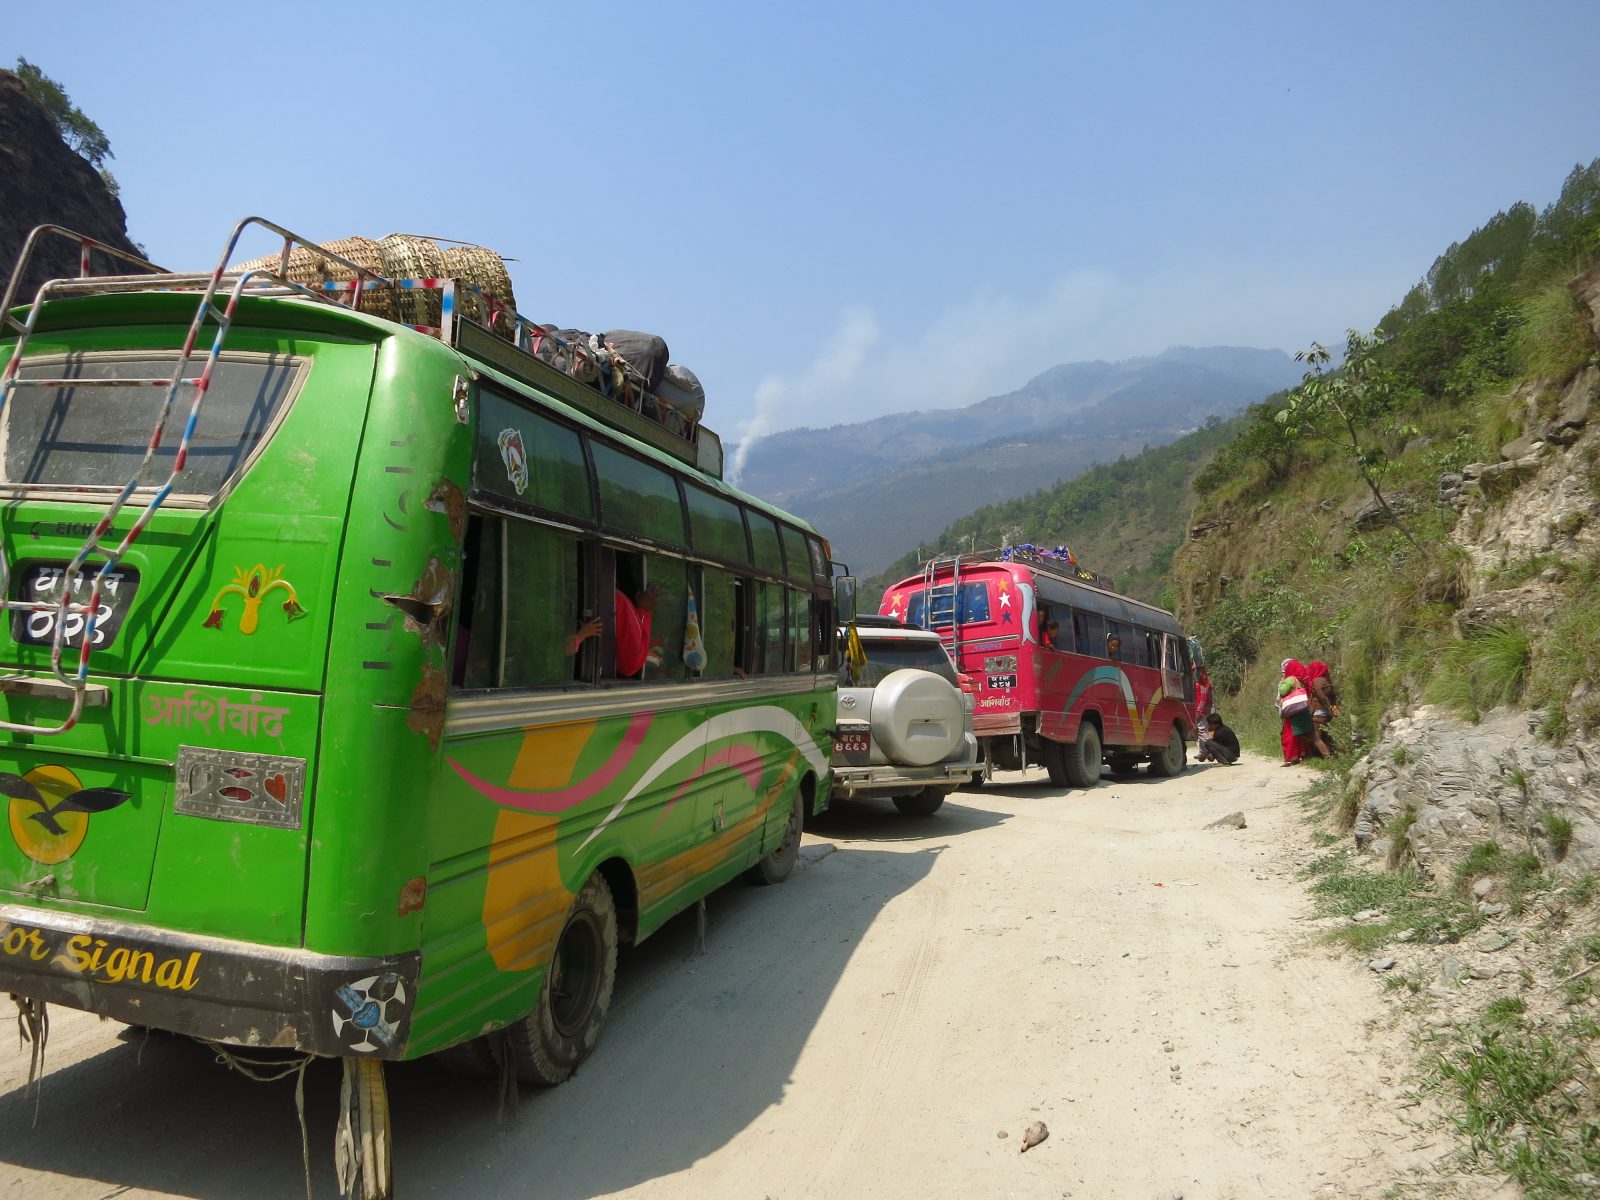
(1096, 960)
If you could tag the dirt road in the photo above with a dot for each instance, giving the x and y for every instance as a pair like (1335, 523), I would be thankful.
(1096, 960)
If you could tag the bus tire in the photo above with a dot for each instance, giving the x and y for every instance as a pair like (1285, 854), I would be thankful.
(779, 865)
(1055, 761)
(921, 804)
(549, 1044)
(1171, 758)
(1083, 757)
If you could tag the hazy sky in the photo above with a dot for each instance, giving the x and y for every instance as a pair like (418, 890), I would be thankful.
(833, 210)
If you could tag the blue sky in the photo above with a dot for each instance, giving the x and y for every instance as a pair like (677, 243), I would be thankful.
(833, 211)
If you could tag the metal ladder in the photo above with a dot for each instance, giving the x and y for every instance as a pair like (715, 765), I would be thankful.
(76, 687)
(931, 588)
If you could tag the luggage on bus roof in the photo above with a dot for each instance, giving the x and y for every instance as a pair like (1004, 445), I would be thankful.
(646, 353)
(680, 390)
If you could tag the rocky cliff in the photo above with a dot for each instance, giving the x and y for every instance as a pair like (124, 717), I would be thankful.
(44, 182)
(1523, 522)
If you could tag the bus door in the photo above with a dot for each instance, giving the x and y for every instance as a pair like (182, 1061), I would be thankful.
(1177, 680)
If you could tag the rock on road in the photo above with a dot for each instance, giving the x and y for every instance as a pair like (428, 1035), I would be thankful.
(1096, 960)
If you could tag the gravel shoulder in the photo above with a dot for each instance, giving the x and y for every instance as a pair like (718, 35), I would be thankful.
(1097, 960)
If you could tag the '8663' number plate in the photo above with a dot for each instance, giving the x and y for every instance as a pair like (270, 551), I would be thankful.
(42, 582)
(851, 741)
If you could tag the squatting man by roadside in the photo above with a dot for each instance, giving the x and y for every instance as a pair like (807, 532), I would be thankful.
(1217, 743)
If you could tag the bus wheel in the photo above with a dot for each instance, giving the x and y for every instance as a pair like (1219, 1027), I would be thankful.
(1055, 761)
(1083, 759)
(1172, 758)
(779, 865)
(548, 1044)
(921, 804)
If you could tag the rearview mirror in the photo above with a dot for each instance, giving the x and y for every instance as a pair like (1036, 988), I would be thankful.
(844, 598)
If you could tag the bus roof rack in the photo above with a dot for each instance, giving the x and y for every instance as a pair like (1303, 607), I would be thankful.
(98, 557)
(1055, 560)
(457, 311)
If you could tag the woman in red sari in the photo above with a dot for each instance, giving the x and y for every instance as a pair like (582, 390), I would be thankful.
(1299, 737)
(1324, 704)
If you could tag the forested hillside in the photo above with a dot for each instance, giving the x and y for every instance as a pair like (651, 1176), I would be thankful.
(1126, 518)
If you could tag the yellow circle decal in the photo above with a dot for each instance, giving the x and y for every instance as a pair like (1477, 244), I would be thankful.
(31, 820)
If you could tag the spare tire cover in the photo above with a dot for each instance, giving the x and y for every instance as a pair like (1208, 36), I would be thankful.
(917, 718)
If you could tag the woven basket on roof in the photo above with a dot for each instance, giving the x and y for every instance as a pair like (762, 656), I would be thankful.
(308, 266)
(407, 257)
(485, 269)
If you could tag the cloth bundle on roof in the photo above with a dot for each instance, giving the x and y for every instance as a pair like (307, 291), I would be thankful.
(646, 353)
(682, 393)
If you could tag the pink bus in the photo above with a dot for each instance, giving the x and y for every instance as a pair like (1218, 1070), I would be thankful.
(1068, 673)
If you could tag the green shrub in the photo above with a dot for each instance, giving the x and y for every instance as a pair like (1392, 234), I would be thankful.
(1481, 672)
(1566, 657)
(1554, 338)
(1486, 858)
(1400, 852)
(1558, 831)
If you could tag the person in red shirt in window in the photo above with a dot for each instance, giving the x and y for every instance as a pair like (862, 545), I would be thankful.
(633, 619)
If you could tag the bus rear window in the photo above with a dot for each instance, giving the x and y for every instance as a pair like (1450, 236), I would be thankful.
(887, 655)
(74, 438)
(974, 606)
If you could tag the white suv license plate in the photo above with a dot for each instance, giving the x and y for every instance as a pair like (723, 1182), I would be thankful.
(852, 743)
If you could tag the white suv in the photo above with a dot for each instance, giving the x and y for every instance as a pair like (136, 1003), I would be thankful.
(905, 727)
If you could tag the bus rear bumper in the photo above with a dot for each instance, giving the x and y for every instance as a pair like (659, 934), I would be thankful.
(210, 988)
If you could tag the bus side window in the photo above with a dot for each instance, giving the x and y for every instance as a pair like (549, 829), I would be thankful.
(630, 624)
(718, 602)
(799, 631)
(744, 659)
(665, 658)
(475, 657)
(1088, 633)
(543, 604)
(769, 628)
(823, 633)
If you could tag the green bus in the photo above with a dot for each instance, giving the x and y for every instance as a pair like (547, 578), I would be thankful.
(324, 718)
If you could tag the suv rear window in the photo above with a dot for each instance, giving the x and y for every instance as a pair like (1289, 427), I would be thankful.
(887, 655)
(73, 439)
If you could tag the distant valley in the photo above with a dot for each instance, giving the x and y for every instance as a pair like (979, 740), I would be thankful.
(879, 487)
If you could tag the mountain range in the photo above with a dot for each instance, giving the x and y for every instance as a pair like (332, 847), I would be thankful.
(877, 488)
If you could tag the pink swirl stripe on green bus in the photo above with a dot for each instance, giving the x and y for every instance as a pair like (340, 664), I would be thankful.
(562, 799)
(764, 718)
(744, 759)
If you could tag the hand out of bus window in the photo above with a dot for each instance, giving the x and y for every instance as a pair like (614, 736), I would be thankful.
(590, 628)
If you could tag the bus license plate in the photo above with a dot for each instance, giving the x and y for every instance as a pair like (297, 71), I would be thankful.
(1002, 682)
(40, 581)
(852, 742)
